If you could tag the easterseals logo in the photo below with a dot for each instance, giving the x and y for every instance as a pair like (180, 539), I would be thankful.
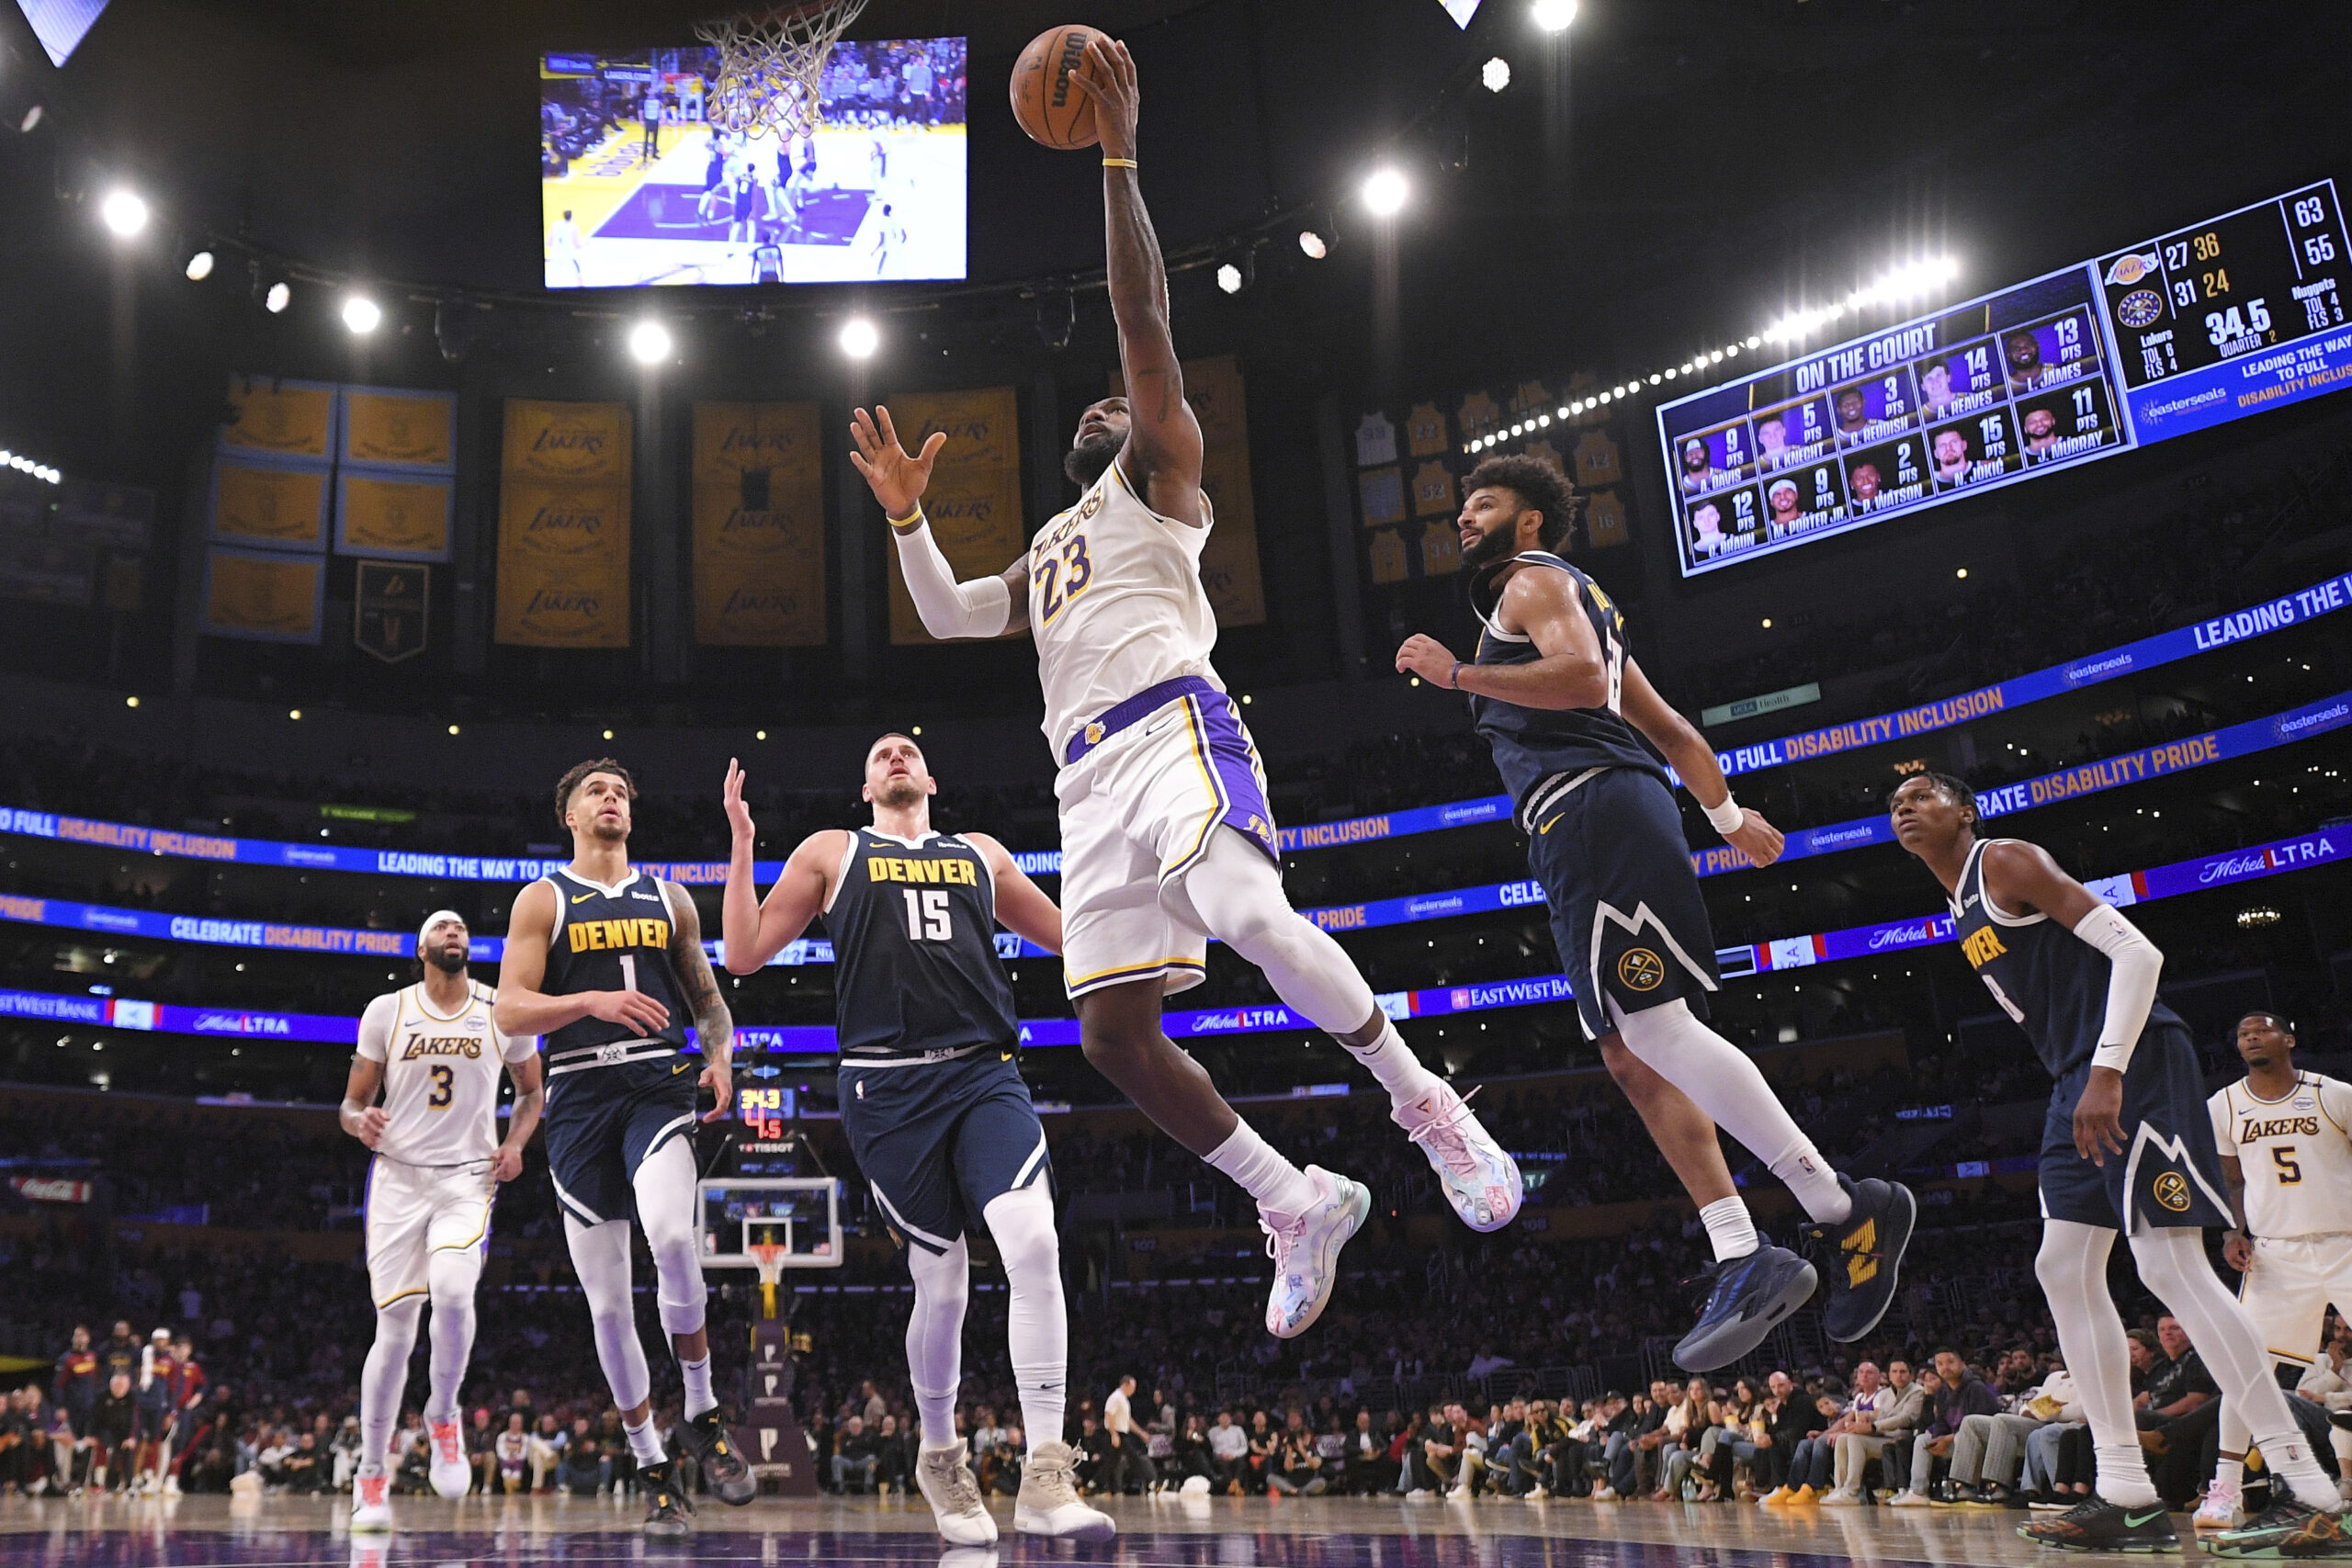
(2172, 1191)
(1641, 970)
(2312, 720)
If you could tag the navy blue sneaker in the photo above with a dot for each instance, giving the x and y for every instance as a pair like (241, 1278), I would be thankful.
(1864, 1256)
(1746, 1296)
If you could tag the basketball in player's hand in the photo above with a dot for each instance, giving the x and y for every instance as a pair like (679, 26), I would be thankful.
(1050, 109)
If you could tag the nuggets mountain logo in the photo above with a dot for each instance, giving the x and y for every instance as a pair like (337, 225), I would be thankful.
(1641, 970)
(2172, 1191)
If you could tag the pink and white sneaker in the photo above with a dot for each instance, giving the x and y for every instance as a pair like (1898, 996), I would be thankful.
(1481, 1180)
(1305, 1251)
(2220, 1510)
(369, 1511)
(452, 1477)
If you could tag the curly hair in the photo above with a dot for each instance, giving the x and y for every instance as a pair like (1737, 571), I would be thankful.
(1950, 786)
(578, 771)
(1539, 484)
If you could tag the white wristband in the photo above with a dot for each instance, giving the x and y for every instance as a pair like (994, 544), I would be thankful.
(1725, 819)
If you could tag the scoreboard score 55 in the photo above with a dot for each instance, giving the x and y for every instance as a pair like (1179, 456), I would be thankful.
(766, 1112)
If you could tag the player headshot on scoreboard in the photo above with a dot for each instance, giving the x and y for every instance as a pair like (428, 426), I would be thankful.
(1786, 504)
(1951, 450)
(1699, 473)
(1771, 442)
(1853, 415)
(1707, 539)
(1935, 385)
(2040, 424)
(2021, 351)
(1862, 484)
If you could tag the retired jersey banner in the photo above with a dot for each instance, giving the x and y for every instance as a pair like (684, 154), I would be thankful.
(974, 502)
(1229, 558)
(759, 525)
(388, 426)
(286, 419)
(276, 506)
(395, 515)
(578, 441)
(264, 595)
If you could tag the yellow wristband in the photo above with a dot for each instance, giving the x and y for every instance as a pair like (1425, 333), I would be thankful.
(1119, 162)
(905, 524)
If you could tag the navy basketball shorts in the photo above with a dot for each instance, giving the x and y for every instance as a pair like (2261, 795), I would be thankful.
(2169, 1173)
(938, 1141)
(603, 1122)
(1625, 907)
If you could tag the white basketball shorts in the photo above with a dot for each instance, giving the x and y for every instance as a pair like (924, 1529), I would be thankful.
(414, 1210)
(1137, 810)
(2288, 1289)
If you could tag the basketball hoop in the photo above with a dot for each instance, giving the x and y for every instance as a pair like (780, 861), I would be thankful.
(769, 66)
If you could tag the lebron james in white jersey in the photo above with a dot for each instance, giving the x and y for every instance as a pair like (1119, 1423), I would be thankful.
(1155, 765)
(2287, 1158)
(434, 1052)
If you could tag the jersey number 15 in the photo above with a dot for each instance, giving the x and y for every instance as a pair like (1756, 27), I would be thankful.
(929, 918)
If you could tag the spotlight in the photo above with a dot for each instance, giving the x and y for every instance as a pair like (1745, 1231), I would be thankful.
(1228, 278)
(649, 343)
(277, 298)
(361, 314)
(32, 121)
(1495, 75)
(1385, 192)
(123, 211)
(1312, 244)
(200, 267)
(1554, 15)
(859, 340)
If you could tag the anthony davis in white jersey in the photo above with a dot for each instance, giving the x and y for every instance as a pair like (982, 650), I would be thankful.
(1166, 837)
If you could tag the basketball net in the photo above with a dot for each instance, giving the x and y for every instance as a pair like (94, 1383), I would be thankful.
(769, 66)
(768, 1255)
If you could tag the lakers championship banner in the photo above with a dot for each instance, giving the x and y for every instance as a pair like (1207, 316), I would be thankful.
(974, 502)
(1229, 558)
(563, 554)
(582, 443)
(278, 506)
(759, 525)
(264, 595)
(394, 516)
(285, 419)
(387, 426)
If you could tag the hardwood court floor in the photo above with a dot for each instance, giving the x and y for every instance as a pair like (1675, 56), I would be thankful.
(1221, 1532)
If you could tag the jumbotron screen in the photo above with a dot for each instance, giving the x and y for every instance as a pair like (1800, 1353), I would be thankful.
(638, 188)
(2222, 319)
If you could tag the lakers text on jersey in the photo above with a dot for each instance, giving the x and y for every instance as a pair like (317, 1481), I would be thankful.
(2296, 1158)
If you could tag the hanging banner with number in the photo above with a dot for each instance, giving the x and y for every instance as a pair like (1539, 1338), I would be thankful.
(759, 525)
(974, 502)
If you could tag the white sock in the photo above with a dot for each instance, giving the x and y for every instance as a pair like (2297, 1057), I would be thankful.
(643, 1441)
(2172, 1263)
(1036, 1319)
(1725, 1083)
(1391, 1061)
(2072, 1267)
(1731, 1230)
(2231, 1473)
(695, 1375)
(1262, 1171)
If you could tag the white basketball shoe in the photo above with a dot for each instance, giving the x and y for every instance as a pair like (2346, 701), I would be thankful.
(945, 1473)
(452, 1477)
(1481, 1180)
(1305, 1251)
(369, 1511)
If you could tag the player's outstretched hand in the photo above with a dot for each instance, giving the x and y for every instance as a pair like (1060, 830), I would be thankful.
(738, 816)
(719, 1079)
(2098, 1116)
(1428, 658)
(1108, 76)
(634, 1009)
(372, 1123)
(1757, 839)
(897, 480)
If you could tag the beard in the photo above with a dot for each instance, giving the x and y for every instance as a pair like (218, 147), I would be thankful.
(1089, 460)
(448, 960)
(1492, 549)
(898, 793)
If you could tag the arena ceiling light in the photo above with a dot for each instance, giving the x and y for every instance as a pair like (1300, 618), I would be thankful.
(649, 343)
(1313, 244)
(1385, 192)
(1495, 75)
(1554, 15)
(124, 211)
(26, 465)
(1228, 278)
(280, 295)
(200, 267)
(361, 314)
(859, 338)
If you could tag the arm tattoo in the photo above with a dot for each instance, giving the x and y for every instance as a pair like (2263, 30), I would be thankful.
(714, 1024)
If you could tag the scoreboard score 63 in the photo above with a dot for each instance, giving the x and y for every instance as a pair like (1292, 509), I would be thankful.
(765, 1112)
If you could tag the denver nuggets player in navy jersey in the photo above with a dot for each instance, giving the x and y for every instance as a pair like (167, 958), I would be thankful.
(934, 1108)
(2127, 1144)
(1566, 711)
(607, 964)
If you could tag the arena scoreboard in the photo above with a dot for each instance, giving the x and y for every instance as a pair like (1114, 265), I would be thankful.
(2222, 319)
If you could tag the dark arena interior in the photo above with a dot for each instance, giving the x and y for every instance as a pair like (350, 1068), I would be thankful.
(1923, 399)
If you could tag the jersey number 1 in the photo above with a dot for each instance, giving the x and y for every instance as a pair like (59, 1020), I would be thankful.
(928, 917)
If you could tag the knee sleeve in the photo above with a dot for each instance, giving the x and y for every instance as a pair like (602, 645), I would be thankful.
(1235, 895)
(600, 1256)
(665, 1186)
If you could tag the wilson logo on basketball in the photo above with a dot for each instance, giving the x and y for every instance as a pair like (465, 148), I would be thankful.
(1073, 51)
